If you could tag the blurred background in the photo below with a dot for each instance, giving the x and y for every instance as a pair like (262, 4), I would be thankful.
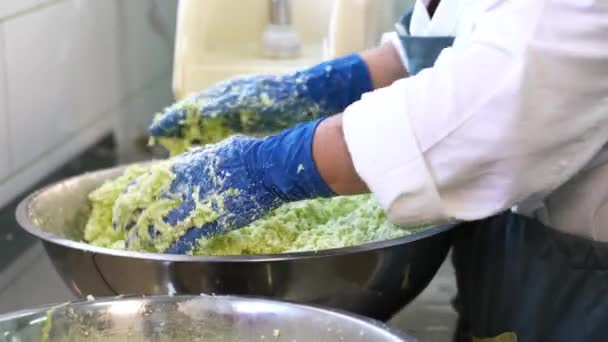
(73, 72)
(80, 80)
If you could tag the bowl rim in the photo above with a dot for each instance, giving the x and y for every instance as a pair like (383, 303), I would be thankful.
(369, 322)
(26, 223)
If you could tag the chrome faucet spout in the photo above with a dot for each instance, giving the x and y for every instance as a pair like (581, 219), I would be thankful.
(280, 12)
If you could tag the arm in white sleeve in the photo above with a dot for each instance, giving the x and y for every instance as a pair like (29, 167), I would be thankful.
(393, 39)
(511, 113)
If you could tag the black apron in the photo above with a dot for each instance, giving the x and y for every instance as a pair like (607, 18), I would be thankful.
(421, 51)
(519, 280)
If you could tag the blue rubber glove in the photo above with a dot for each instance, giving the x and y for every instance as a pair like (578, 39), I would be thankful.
(244, 178)
(267, 103)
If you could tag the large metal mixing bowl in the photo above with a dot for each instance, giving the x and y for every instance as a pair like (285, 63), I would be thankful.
(190, 318)
(375, 279)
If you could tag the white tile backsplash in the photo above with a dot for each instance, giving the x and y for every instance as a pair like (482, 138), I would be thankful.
(100, 87)
(5, 162)
(42, 72)
(24, 178)
(70, 66)
(12, 7)
(146, 46)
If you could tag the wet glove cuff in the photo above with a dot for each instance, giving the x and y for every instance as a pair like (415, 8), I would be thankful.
(286, 166)
(335, 84)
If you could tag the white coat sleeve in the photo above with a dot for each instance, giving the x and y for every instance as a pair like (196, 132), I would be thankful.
(511, 113)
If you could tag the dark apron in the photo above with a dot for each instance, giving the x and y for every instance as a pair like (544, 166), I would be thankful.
(421, 51)
(517, 279)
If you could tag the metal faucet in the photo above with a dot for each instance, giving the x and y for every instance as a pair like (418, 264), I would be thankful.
(280, 12)
(280, 40)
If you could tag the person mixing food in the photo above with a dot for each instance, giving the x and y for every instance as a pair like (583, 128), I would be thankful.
(502, 128)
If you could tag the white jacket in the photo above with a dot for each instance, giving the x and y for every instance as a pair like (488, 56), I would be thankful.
(515, 114)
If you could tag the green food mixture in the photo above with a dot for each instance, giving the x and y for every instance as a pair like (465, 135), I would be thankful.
(122, 208)
(194, 130)
(309, 225)
(212, 126)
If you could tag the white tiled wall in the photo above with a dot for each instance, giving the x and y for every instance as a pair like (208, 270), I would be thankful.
(73, 70)
(100, 86)
(40, 59)
(147, 28)
(15, 7)
(5, 162)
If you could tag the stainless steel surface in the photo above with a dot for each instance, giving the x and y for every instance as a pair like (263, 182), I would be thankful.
(375, 279)
(280, 12)
(190, 318)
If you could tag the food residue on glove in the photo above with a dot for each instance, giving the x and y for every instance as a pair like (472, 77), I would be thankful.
(301, 226)
(193, 129)
(131, 204)
(309, 225)
(263, 108)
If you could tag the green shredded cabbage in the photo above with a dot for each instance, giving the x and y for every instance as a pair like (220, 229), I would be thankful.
(301, 226)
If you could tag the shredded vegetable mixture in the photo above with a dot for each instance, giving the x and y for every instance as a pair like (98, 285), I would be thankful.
(195, 131)
(309, 225)
(301, 226)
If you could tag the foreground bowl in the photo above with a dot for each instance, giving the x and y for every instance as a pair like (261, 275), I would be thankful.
(190, 318)
(375, 279)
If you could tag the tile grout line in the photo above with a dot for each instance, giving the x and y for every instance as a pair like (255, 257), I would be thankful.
(129, 97)
(4, 88)
(29, 10)
(22, 186)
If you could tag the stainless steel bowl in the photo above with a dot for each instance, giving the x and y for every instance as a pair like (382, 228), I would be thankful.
(190, 318)
(375, 279)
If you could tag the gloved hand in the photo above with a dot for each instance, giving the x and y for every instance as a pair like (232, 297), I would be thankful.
(226, 186)
(266, 103)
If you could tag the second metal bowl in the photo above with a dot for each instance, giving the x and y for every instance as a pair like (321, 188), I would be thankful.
(190, 318)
